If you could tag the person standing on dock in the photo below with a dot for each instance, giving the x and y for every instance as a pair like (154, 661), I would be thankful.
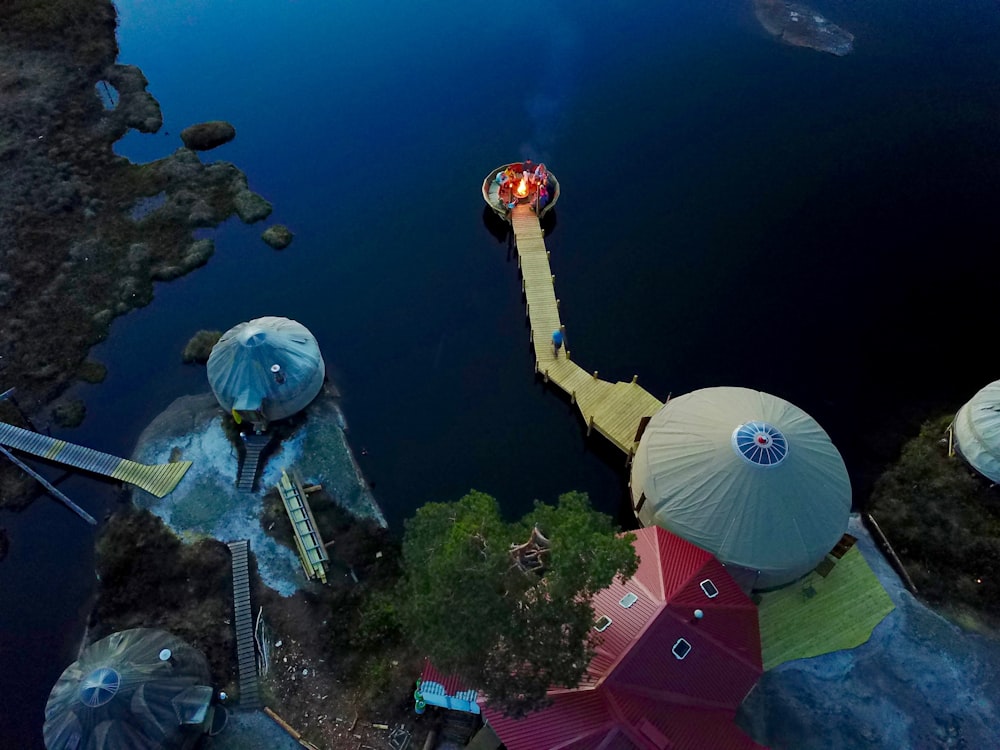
(557, 341)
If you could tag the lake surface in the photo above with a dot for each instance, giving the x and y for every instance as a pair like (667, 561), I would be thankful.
(734, 212)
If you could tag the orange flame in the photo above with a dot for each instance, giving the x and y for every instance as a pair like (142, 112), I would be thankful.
(522, 188)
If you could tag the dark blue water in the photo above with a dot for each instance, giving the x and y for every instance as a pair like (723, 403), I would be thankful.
(734, 212)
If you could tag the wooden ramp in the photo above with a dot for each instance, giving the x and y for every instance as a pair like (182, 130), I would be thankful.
(158, 480)
(247, 657)
(312, 552)
(615, 410)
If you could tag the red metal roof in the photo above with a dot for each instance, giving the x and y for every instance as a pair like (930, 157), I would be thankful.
(637, 693)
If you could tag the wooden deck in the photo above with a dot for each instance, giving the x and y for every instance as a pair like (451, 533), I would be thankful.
(615, 410)
(312, 552)
(822, 613)
(159, 480)
(245, 650)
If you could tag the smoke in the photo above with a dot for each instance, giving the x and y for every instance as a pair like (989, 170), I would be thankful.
(554, 70)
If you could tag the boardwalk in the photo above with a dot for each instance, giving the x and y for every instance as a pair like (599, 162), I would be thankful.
(246, 655)
(615, 410)
(158, 480)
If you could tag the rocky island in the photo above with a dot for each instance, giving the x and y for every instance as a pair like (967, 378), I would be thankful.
(801, 26)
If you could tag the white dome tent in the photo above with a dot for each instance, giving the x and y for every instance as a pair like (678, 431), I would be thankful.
(747, 476)
(977, 431)
(139, 689)
(266, 369)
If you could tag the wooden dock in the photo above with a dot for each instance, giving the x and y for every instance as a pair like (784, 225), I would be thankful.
(312, 552)
(159, 480)
(615, 410)
(245, 650)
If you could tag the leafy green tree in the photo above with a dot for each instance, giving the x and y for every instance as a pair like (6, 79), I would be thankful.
(507, 605)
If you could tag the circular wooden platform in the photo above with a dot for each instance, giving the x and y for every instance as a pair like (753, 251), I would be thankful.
(491, 192)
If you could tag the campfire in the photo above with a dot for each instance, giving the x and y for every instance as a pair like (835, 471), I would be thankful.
(522, 188)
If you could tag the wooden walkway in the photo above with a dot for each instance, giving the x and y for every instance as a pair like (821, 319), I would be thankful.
(312, 552)
(253, 446)
(615, 410)
(245, 652)
(158, 480)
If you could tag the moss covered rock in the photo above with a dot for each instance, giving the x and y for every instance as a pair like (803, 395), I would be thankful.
(278, 236)
(200, 346)
(251, 207)
(69, 413)
(208, 135)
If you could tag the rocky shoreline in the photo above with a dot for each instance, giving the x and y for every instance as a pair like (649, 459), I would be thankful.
(85, 233)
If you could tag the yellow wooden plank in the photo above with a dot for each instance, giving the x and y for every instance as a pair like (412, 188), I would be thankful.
(55, 449)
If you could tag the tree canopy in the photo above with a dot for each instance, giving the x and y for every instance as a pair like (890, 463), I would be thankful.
(507, 606)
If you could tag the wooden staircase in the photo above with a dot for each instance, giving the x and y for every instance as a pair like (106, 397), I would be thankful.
(254, 446)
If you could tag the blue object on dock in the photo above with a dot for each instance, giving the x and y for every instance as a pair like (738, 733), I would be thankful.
(557, 339)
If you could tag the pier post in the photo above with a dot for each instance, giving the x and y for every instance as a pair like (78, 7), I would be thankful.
(595, 374)
(635, 379)
(546, 376)
(572, 397)
(590, 424)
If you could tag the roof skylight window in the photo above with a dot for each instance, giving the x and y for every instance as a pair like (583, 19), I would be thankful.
(628, 600)
(681, 649)
(709, 588)
(602, 624)
(760, 443)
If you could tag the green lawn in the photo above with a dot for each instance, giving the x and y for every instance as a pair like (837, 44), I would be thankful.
(818, 615)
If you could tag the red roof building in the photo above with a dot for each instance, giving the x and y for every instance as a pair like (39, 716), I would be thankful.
(680, 650)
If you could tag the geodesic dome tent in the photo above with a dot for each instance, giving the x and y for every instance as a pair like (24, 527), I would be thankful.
(977, 431)
(747, 476)
(266, 369)
(139, 689)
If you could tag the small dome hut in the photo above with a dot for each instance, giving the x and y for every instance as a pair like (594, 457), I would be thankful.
(977, 431)
(139, 689)
(266, 369)
(747, 476)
